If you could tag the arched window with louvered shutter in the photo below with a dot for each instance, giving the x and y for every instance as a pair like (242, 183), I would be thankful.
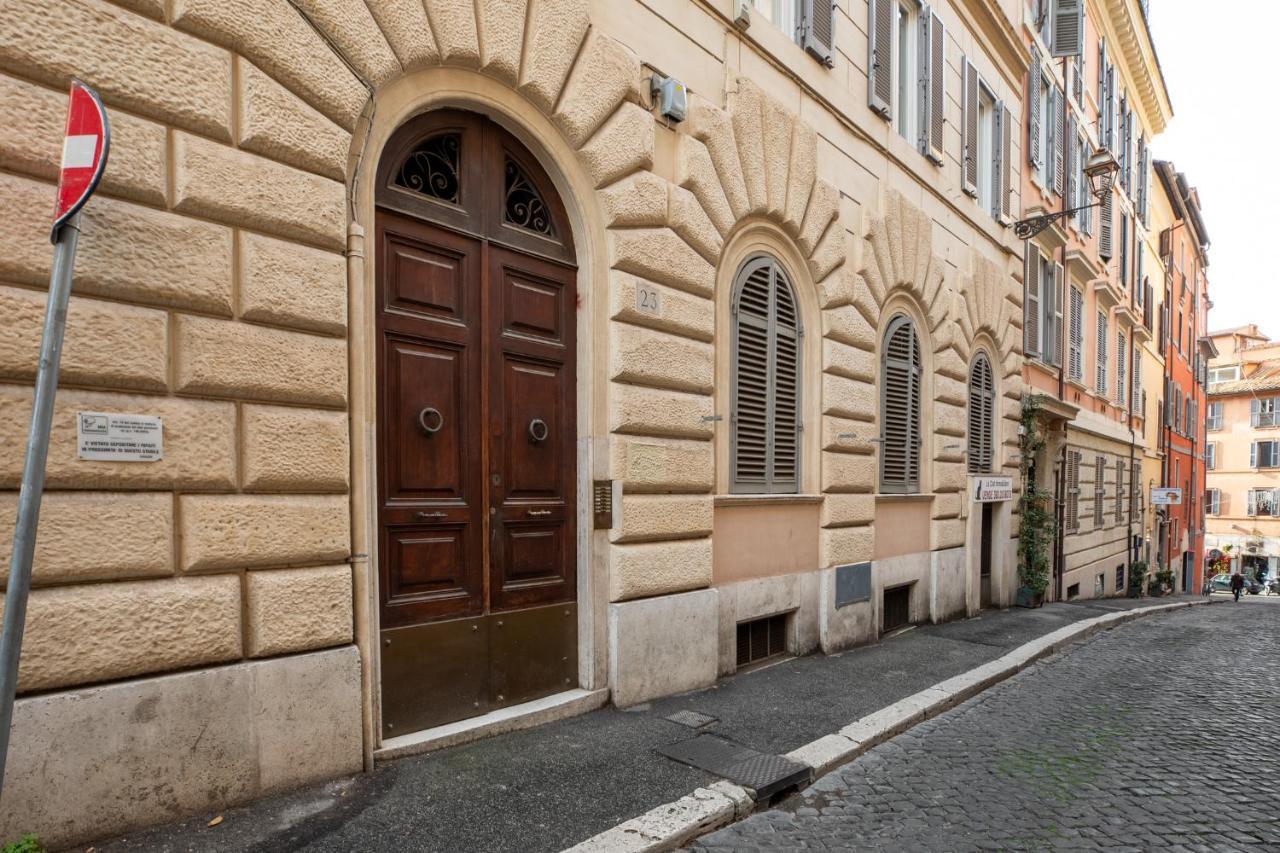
(982, 415)
(900, 378)
(766, 424)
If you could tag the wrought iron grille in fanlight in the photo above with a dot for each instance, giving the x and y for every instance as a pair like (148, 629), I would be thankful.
(523, 207)
(432, 167)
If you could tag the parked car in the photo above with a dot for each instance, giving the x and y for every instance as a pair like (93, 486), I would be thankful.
(1220, 583)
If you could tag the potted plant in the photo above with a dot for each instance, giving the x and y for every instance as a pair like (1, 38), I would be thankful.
(1037, 526)
(1163, 582)
(1137, 578)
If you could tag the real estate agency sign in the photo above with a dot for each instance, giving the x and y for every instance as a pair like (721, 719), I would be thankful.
(988, 490)
(1166, 497)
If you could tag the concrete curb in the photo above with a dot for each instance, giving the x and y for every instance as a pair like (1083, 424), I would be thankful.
(672, 825)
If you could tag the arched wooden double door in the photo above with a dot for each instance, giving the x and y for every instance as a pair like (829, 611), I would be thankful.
(476, 433)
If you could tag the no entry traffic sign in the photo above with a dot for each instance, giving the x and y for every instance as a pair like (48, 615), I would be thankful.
(85, 145)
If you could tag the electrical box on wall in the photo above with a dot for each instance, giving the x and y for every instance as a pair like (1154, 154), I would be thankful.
(742, 14)
(670, 97)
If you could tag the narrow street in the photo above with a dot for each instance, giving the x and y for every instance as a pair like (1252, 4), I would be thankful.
(1160, 734)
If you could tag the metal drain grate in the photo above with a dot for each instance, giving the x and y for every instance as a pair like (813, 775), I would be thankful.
(762, 773)
(692, 719)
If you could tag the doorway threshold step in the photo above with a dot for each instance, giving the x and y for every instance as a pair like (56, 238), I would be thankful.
(524, 716)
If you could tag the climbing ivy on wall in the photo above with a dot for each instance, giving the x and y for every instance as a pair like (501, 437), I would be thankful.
(1035, 506)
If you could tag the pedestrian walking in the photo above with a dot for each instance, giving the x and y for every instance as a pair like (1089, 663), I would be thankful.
(1237, 584)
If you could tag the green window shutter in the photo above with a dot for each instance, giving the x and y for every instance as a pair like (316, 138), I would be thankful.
(766, 420)
(900, 408)
(880, 55)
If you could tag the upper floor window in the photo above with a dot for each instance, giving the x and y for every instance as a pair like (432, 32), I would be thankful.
(1100, 359)
(766, 375)
(1262, 502)
(1075, 335)
(811, 24)
(907, 50)
(1224, 374)
(1264, 454)
(982, 415)
(1211, 456)
(1262, 412)
(1042, 311)
(1213, 501)
(900, 380)
(1214, 420)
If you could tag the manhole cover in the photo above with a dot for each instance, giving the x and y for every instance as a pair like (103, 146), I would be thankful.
(692, 719)
(764, 774)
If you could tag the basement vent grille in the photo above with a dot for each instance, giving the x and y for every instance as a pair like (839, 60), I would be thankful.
(897, 607)
(761, 639)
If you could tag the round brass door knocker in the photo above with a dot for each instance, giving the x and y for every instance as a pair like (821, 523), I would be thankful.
(431, 420)
(538, 429)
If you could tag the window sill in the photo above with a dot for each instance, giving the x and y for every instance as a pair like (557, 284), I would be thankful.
(889, 497)
(766, 500)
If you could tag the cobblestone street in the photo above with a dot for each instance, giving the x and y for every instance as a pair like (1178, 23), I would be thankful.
(1159, 734)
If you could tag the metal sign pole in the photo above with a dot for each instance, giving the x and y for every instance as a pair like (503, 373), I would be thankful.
(24, 533)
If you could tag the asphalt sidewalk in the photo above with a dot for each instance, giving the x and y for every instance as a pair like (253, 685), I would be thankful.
(551, 787)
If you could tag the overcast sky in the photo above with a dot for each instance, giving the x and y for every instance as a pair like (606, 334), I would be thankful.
(1225, 135)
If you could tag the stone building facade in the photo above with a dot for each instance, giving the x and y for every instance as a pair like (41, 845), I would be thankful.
(1090, 302)
(1242, 451)
(452, 451)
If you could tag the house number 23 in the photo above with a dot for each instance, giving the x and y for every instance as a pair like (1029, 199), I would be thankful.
(648, 300)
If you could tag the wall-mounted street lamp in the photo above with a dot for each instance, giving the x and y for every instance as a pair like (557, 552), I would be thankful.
(1100, 172)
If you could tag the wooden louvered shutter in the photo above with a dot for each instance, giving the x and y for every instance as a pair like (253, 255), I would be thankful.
(1102, 85)
(1121, 359)
(1069, 169)
(1058, 340)
(1135, 401)
(818, 24)
(766, 423)
(900, 409)
(880, 53)
(1119, 490)
(981, 416)
(969, 166)
(1100, 377)
(1068, 27)
(1146, 186)
(1252, 495)
(785, 428)
(1006, 169)
(1104, 231)
(1075, 336)
(1073, 490)
(1031, 302)
(935, 119)
(1034, 84)
(1099, 488)
(1059, 142)
(1109, 109)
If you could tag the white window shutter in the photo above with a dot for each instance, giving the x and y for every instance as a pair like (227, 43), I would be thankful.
(880, 53)
(1031, 302)
(817, 34)
(1253, 454)
(1253, 502)
(1068, 27)
(969, 165)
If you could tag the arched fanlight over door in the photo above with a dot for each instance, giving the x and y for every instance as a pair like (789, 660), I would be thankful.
(900, 378)
(431, 168)
(766, 364)
(982, 404)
